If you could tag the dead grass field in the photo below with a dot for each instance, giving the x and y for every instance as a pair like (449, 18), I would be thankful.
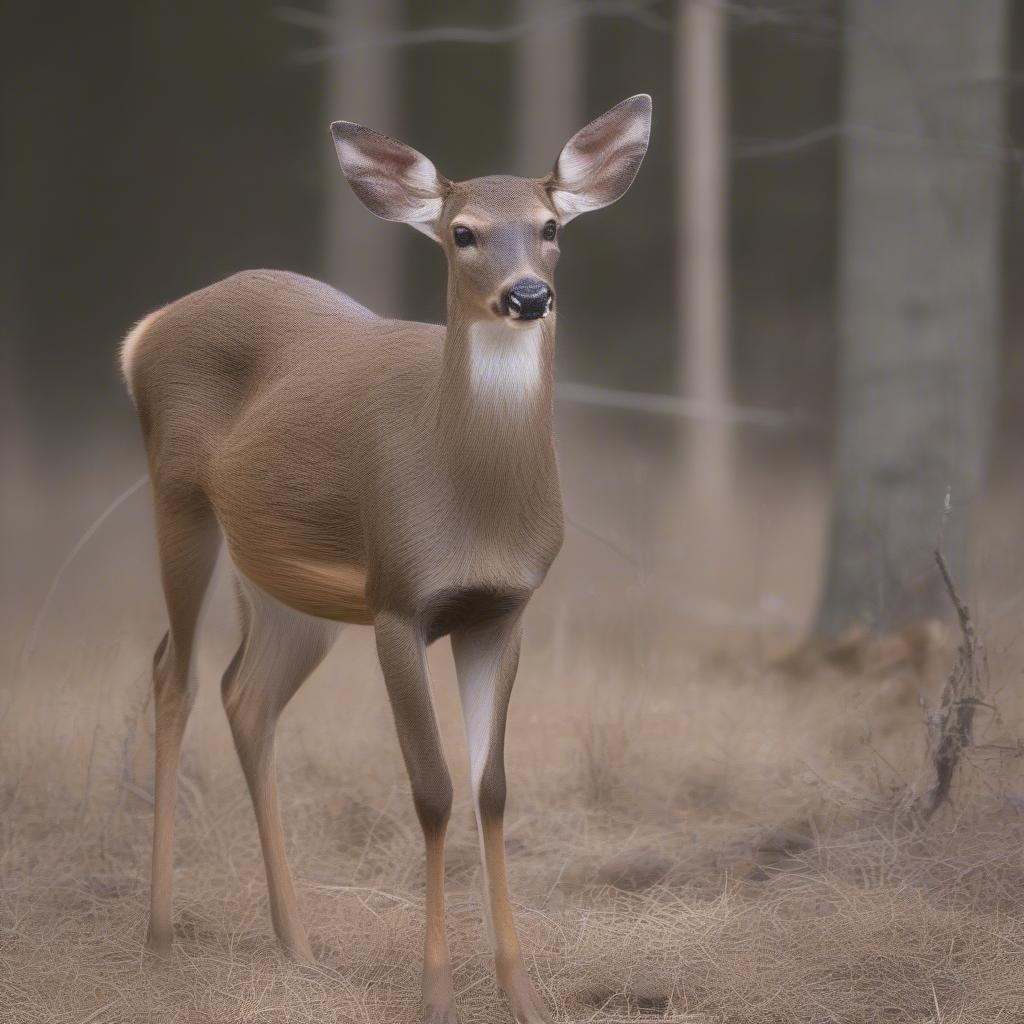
(694, 835)
(729, 850)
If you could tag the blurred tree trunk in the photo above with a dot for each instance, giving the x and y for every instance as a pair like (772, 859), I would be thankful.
(702, 286)
(549, 89)
(918, 302)
(361, 256)
(701, 141)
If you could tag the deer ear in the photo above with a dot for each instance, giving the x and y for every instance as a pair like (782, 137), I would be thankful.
(600, 161)
(391, 179)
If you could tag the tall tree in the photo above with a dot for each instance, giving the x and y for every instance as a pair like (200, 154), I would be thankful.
(549, 107)
(361, 84)
(918, 298)
(701, 144)
(702, 257)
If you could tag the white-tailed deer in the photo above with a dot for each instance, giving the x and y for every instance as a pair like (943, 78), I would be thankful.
(372, 471)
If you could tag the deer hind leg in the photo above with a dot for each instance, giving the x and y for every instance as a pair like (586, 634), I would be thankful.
(280, 648)
(188, 539)
(400, 647)
(486, 659)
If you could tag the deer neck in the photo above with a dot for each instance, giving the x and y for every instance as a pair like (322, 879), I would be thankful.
(493, 403)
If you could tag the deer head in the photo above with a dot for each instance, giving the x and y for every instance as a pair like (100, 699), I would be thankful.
(500, 233)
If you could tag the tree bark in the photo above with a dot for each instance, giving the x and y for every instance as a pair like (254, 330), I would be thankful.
(701, 159)
(361, 256)
(549, 102)
(918, 303)
(702, 268)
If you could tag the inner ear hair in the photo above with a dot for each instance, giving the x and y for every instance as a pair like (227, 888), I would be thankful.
(598, 164)
(391, 179)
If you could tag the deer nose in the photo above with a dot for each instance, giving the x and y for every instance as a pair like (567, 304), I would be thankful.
(529, 299)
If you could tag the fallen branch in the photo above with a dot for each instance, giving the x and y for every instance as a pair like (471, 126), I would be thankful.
(951, 725)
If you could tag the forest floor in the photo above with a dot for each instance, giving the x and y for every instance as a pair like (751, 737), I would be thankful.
(733, 848)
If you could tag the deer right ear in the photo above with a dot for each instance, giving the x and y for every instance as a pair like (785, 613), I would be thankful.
(391, 179)
(600, 161)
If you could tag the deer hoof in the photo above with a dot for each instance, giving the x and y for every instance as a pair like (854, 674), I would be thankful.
(527, 1006)
(440, 1014)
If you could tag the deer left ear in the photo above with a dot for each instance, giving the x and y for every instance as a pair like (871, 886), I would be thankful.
(391, 179)
(600, 161)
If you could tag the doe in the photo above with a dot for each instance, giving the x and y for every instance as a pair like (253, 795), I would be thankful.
(374, 471)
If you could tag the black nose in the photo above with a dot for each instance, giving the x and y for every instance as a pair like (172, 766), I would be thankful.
(529, 299)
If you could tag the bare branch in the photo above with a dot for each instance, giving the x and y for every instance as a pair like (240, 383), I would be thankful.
(951, 725)
(673, 405)
(755, 149)
(640, 12)
(748, 149)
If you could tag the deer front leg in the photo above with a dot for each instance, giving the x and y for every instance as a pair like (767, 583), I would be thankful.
(402, 654)
(486, 658)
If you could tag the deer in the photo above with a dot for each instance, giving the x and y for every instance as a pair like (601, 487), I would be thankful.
(378, 472)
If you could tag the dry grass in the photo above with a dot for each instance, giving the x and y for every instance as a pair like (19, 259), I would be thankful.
(728, 849)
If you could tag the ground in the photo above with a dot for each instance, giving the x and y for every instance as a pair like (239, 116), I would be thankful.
(730, 850)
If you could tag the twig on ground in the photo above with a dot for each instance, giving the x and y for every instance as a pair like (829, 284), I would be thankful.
(950, 726)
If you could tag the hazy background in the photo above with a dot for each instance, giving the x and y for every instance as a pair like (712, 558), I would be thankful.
(150, 149)
(714, 479)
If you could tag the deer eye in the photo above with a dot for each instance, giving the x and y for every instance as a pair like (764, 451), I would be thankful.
(549, 231)
(463, 237)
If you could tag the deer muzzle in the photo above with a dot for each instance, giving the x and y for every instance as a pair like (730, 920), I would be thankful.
(529, 299)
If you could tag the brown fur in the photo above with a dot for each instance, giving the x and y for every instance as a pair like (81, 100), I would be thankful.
(370, 471)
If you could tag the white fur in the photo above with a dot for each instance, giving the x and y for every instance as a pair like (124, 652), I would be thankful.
(130, 344)
(478, 664)
(282, 645)
(478, 676)
(505, 364)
